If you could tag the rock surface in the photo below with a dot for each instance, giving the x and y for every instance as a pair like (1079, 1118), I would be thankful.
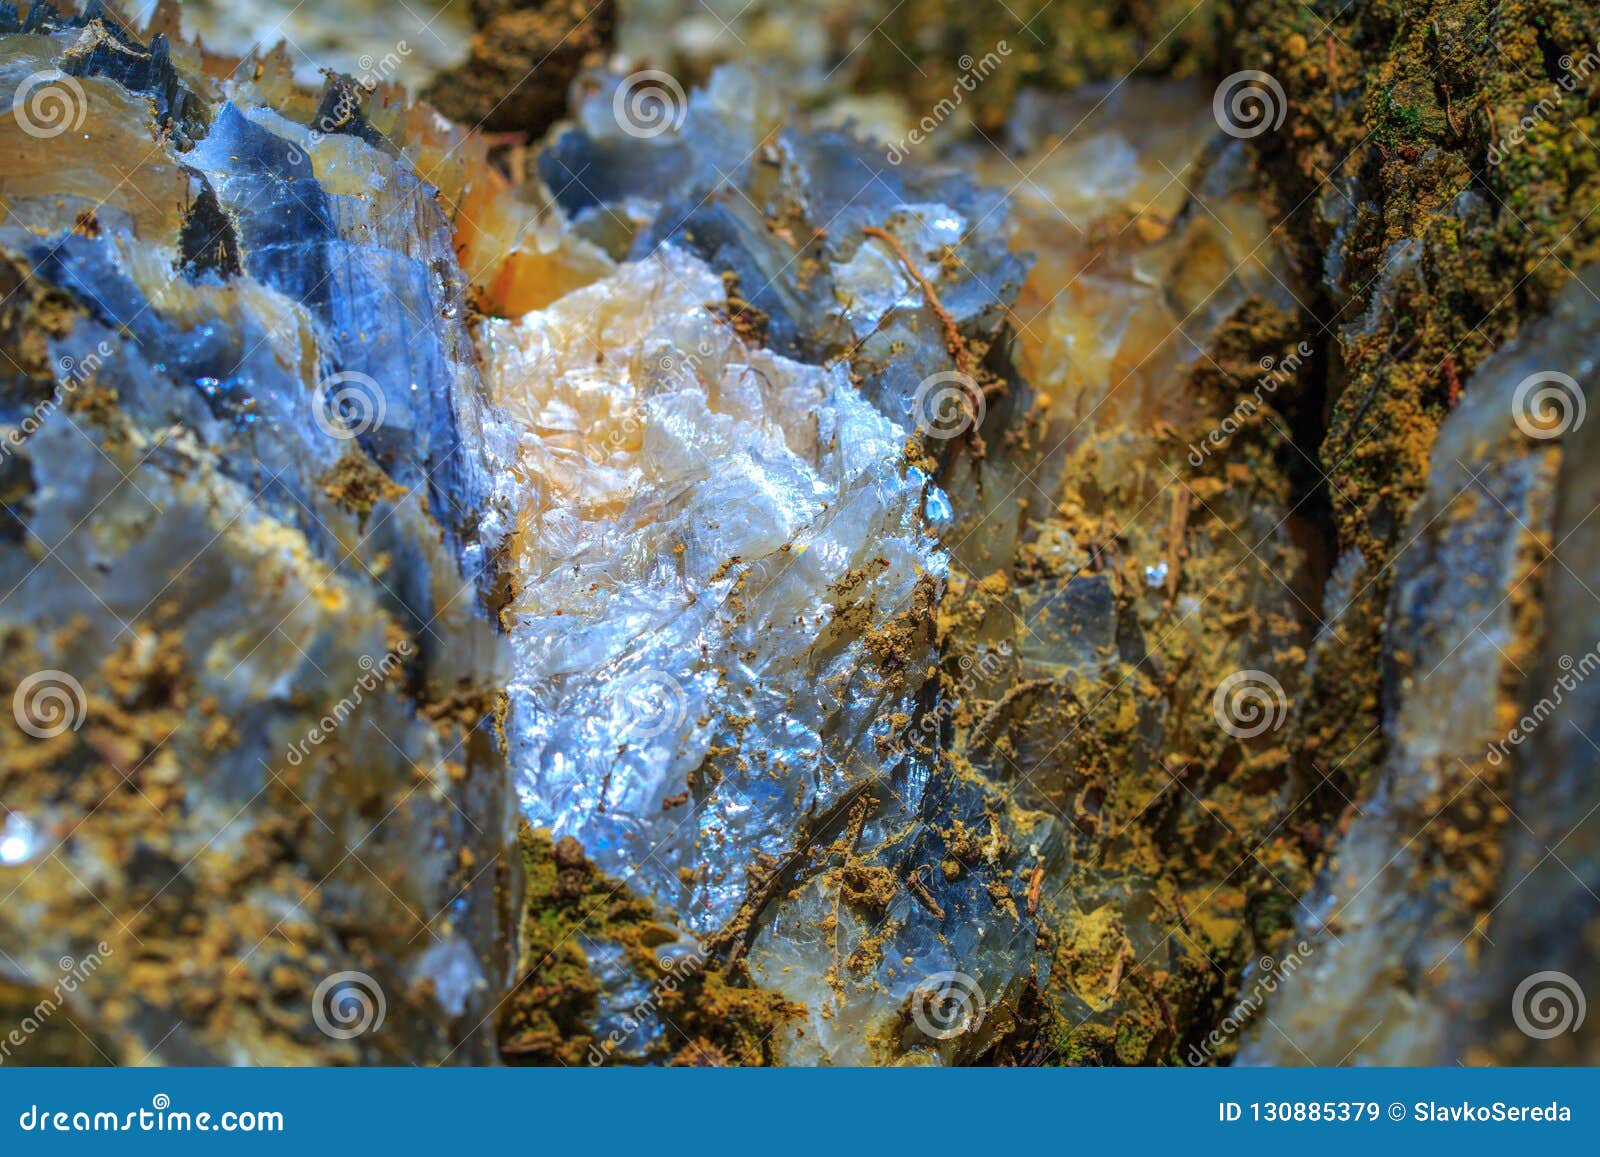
(970, 560)
(246, 504)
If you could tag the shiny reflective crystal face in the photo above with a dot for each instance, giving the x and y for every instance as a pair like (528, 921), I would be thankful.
(682, 580)
(726, 566)
(719, 571)
(726, 570)
(893, 748)
(749, 679)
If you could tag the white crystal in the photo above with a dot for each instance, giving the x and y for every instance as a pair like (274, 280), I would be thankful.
(710, 534)
(18, 840)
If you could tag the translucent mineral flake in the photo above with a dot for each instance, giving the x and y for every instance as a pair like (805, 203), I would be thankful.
(714, 557)
(807, 219)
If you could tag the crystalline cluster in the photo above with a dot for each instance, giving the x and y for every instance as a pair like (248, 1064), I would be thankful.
(788, 677)
(808, 222)
(722, 585)
(679, 572)
(247, 494)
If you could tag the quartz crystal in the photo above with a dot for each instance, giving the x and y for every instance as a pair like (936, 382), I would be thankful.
(722, 618)
(772, 625)
(825, 238)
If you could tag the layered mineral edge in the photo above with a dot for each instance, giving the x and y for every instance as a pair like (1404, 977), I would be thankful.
(722, 572)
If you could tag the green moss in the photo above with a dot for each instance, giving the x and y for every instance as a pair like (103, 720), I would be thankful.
(1415, 111)
(704, 1016)
(1040, 43)
(1088, 1045)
